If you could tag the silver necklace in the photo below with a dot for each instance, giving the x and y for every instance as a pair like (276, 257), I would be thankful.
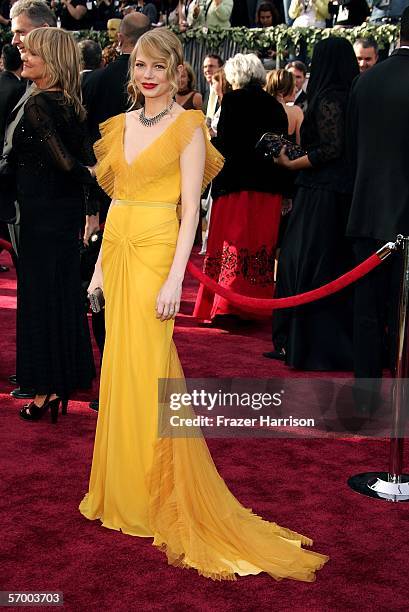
(150, 121)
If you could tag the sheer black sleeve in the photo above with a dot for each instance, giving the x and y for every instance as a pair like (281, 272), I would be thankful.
(40, 115)
(330, 118)
(92, 191)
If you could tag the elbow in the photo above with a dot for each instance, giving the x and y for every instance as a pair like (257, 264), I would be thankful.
(190, 215)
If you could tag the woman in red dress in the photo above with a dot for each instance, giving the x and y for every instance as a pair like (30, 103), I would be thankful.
(246, 194)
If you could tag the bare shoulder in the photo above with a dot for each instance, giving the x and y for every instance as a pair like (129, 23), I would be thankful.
(294, 112)
(198, 100)
(177, 110)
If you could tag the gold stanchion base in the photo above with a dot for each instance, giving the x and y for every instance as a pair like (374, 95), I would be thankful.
(381, 485)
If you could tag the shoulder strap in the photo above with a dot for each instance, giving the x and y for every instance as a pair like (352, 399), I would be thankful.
(208, 7)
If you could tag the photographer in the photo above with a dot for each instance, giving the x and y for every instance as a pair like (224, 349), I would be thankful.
(72, 13)
(349, 13)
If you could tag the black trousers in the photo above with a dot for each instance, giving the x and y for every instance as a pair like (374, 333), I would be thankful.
(375, 311)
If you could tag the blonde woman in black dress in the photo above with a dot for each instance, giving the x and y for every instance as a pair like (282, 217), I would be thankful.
(50, 154)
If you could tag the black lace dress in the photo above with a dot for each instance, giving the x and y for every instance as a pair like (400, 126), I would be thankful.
(314, 249)
(50, 152)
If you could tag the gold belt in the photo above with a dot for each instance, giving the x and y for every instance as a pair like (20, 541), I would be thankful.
(145, 204)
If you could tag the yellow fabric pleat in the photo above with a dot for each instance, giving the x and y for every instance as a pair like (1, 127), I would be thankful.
(156, 170)
(140, 484)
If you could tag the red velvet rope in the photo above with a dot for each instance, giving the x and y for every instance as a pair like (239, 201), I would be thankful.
(266, 305)
(262, 305)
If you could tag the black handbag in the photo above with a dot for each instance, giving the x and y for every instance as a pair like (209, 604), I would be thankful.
(270, 146)
(8, 192)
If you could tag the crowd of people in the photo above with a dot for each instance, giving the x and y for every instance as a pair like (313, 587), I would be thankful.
(127, 145)
(153, 162)
(257, 212)
(101, 14)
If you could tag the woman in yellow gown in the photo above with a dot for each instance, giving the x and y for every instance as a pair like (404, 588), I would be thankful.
(141, 484)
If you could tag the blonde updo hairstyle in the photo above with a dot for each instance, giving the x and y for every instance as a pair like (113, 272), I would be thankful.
(158, 45)
(280, 83)
(61, 56)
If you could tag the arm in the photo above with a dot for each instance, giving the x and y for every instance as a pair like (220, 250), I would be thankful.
(39, 114)
(321, 9)
(76, 12)
(223, 9)
(295, 9)
(91, 226)
(299, 120)
(192, 163)
(195, 14)
(331, 129)
(198, 101)
(97, 279)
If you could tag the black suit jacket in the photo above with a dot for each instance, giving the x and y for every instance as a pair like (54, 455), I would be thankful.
(104, 93)
(11, 90)
(245, 116)
(301, 101)
(89, 88)
(378, 149)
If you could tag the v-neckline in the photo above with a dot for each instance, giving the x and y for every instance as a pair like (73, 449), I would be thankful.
(149, 146)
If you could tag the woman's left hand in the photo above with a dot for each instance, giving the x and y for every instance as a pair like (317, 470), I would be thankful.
(283, 159)
(168, 300)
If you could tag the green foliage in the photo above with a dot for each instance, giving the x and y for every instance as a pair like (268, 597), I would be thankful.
(281, 37)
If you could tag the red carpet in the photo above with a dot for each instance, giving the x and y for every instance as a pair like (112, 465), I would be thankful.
(47, 545)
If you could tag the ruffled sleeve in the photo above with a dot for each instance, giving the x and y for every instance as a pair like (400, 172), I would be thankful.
(107, 151)
(191, 120)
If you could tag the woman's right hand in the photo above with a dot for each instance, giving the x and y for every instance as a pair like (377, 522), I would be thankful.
(283, 159)
(96, 280)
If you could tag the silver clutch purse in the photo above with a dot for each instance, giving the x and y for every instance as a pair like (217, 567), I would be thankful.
(96, 300)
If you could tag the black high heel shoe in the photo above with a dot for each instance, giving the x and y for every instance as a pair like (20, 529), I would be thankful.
(32, 412)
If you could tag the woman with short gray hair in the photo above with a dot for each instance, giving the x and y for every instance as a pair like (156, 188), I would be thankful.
(242, 70)
(247, 193)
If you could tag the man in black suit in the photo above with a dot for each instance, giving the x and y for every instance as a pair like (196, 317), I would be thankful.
(299, 70)
(11, 90)
(91, 64)
(106, 88)
(378, 132)
(12, 86)
(211, 64)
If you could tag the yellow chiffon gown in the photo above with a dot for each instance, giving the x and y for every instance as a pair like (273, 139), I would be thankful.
(140, 484)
